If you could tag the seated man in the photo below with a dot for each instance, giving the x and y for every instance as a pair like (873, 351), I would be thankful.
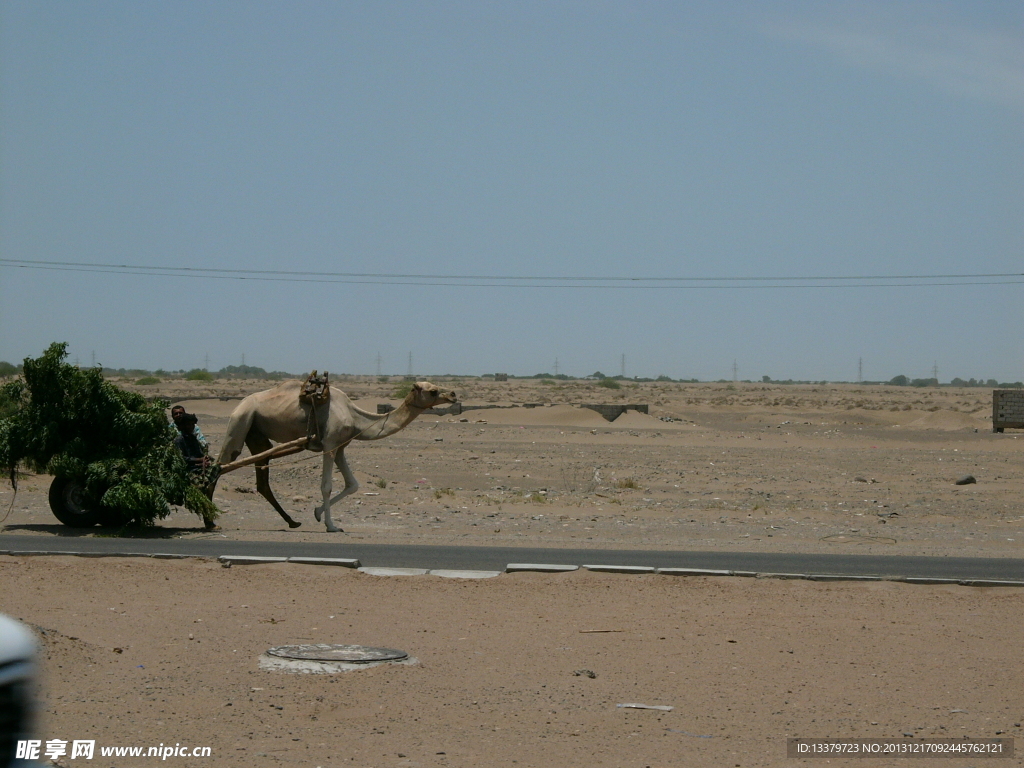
(193, 446)
(177, 412)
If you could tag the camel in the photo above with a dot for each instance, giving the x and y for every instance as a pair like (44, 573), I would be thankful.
(277, 415)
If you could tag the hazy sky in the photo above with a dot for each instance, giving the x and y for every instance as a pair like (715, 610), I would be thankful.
(517, 139)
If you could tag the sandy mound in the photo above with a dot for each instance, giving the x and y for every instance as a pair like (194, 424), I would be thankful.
(945, 420)
(638, 420)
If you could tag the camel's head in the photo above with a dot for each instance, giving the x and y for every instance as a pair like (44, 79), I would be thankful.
(426, 395)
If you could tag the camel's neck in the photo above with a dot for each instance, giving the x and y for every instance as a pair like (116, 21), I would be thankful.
(374, 426)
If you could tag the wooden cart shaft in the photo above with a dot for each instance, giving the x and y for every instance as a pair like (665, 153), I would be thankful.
(281, 449)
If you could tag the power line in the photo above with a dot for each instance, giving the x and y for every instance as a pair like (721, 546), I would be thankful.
(534, 281)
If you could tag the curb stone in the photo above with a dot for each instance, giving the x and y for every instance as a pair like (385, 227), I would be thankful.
(344, 562)
(394, 571)
(540, 567)
(249, 560)
(446, 573)
(228, 560)
(620, 568)
(783, 576)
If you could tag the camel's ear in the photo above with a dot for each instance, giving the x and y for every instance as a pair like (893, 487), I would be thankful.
(417, 387)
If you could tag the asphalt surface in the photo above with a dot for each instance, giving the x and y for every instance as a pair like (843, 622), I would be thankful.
(496, 558)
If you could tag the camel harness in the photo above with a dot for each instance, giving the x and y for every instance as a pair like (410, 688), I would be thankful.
(316, 392)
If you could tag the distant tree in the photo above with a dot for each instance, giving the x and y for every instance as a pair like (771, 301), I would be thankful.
(766, 379)
(991, 383)
(199, 374)
(924, 382)
(609, 383)
(7, 369)
(597, 375)
(899, 381)
(243, 372)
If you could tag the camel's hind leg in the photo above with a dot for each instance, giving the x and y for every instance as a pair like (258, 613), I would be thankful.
(351, 486)
(258, 444)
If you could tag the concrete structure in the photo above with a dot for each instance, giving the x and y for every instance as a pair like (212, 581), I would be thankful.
(612, 412)
(540, 567)
(1007, 409)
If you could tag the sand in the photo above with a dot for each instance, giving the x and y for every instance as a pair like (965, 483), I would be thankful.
(755, 468)
(142, 652)
(747, 468)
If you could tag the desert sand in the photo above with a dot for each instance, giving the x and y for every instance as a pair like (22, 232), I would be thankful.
(143, 652)
(822, 468)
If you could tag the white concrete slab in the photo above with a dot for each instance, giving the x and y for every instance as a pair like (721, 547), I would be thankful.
(394, 571)
(541, 567)
(344, 562)
(692, 572)
(450, 574)
(620, 568)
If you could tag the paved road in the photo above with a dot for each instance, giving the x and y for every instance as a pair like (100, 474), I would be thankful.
(496, 558)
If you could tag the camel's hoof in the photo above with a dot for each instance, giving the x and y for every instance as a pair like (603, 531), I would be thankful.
(293, 524)
(335, 530)
(318, 513)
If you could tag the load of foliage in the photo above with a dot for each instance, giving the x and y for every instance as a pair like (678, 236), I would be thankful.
(74, 424)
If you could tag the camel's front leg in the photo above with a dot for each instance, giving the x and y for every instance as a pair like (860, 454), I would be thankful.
(325, 490)
(351, 486)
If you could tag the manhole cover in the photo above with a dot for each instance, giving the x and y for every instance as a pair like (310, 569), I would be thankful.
(353, 654)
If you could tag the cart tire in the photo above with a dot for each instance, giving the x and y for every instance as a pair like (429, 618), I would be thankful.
(66, 503)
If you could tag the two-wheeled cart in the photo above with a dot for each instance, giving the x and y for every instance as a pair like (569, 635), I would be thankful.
(66, 494)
